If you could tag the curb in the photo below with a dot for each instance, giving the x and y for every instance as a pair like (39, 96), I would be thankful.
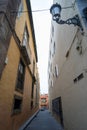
(23, 127)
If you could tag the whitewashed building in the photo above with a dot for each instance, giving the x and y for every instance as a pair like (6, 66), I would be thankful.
(67, 67)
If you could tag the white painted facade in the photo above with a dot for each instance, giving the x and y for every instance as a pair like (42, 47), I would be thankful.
(70, 59)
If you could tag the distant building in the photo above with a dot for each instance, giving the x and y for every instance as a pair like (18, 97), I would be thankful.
(44, 101)
(19, 78)
(67, 67)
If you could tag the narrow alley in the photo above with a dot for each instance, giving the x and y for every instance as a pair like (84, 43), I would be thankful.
(44, 121)
(43, 64)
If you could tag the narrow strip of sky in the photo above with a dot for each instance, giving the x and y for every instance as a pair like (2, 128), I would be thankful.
(42, 24)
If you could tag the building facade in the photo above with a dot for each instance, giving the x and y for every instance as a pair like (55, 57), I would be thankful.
(19, 78)
(67, 67)
(44, 103)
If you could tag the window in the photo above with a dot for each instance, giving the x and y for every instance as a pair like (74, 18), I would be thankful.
(50, 54)
(31, 104)
(43, 100)
(85, 12)
(54, 48)
(26, 37)
(82, 5)
(25, 47)
(51, 40)
(20, 79)
(75, 80)
(20, 9)
(36, 101)
(81, 76)
(52, 30)
(17, 104)
(51, 83)
(56, 71)
(51, 67)
(49, 75)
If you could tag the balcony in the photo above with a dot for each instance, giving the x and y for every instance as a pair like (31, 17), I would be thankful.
(26, 52)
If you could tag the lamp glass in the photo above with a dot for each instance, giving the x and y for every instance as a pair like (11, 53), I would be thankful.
(55, 11)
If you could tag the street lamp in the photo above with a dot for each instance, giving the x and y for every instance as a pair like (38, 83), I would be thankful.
(55, 10)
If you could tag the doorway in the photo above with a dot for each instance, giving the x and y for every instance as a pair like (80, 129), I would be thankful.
(57, 109)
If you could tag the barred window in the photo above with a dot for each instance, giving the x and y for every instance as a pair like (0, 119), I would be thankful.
(17, 104)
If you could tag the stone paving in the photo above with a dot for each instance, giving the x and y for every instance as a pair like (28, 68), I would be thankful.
(44, 121)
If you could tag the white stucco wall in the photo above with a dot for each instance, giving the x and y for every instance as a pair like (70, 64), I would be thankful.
(74, 95)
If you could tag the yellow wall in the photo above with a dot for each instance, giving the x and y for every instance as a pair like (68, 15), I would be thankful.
(20, 24)
(9, 77)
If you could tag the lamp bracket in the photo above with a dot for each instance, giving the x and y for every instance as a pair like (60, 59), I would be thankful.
(74, 20)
